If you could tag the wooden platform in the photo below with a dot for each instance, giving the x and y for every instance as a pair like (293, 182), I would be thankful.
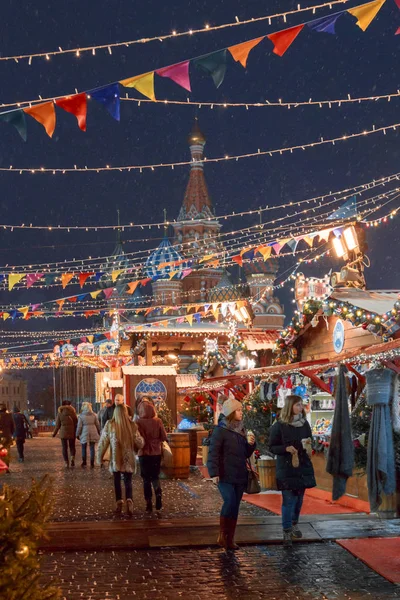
(156, 533)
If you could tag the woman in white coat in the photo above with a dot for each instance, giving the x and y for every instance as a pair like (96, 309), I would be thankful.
(88, 432)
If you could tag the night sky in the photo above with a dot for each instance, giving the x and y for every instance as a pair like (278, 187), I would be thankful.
(317, 65)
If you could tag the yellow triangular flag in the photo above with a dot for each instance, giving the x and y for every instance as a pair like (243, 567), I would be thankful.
(90, 338)
(142, 83)
(96, 293)
(41, 364)
(24, 311)
(366, 13)
(13, 279)
(265, 251)
(172, 274)
(116, 274)
(5, 316)
(34, 357)
(165, 310)
(189, 319)
(207, 257)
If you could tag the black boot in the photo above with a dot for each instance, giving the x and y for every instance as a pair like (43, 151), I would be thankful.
(158, 499)
(83, 464)
(149, 506)
(92, 464)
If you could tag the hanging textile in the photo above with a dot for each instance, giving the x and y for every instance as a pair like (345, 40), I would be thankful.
(396, 405)
(380, 459)
(341, 450)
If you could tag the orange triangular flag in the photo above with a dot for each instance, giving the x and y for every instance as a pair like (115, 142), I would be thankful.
(132, 286)
(24, 311)
(265, 251)
(66, 278)
(240, 52)
(45, 115)
(283, 39)
(60, 303)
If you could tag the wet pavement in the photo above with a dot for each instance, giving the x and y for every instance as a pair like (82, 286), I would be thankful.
(305, 572)
(88, 494)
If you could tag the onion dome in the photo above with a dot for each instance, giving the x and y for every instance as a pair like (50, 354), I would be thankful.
(165, 253)
(196, 136)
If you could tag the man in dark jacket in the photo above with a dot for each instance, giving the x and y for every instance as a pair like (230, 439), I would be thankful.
(119, 399)
(21, 427)
(6, 432)
(108, 413)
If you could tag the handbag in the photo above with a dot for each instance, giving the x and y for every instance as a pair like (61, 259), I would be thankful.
(167, 458)
(253, 485)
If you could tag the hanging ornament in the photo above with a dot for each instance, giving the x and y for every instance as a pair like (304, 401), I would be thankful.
(3, 451)
(22, 552)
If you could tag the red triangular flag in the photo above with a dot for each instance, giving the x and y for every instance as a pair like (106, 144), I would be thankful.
(77, 105)
(283, 39)
(238, 259)
(83, 277)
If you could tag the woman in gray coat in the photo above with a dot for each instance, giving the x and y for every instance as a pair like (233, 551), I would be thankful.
(88, 432)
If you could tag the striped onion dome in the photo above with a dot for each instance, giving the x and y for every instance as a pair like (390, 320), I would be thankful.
(165, 253)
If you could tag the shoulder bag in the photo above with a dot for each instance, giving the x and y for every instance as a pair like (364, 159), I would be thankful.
(253, 485)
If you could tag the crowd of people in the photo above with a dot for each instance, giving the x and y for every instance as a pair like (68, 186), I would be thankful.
(122, 436)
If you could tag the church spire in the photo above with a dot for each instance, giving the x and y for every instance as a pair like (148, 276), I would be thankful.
(197, 204)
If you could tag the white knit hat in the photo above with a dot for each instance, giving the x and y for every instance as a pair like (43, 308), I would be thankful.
(229, 406)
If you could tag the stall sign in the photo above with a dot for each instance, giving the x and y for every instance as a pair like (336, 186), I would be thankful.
(338, 336)
(311, 289)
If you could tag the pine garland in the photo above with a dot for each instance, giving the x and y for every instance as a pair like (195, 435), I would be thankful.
(22, 520)
(165, 414)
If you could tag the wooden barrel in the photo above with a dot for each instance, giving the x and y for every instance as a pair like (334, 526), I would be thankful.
(266, 468)
(179, 444)
(192, 433)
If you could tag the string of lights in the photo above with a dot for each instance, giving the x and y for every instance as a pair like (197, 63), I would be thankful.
(358, 189)
(91, 50)
(65, 300)
(152, 167)
(90, 263)
(266, 104)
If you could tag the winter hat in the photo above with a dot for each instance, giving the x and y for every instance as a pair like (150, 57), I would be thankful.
(229, 406)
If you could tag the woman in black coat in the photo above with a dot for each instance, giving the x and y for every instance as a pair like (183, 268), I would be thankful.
(290, 440)
(227, 458)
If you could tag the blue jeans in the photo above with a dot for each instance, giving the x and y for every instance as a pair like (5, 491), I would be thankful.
(231, 495)
(84, 452)
(291, 507)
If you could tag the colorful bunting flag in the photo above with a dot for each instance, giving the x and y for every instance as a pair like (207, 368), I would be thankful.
(366, 13)
(60, 303)
(213, 64)
(108, 96)
(17, 119)
(325, 24)
(178, 73)
(116, 274)
(238, 259)
(13, 279)
(96, 293)
(108, 292)
(265, 251)
(66, 278)
(189, 319)
(132, 286)
(77, 105)
(49, 278)
(32, 278)
(45, 115)
(240, 52)
(142, 83)
(283, 39)
(24, 311)
(5, 316)
(83, 277)
(348, 209)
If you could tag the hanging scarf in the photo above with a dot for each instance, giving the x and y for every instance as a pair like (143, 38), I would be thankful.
(236, 426)
(298, 421)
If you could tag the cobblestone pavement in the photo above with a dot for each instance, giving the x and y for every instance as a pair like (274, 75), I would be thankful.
(88, 494)
(305, 572)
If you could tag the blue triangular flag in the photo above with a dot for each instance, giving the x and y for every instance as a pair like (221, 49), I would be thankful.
(109, 97)
(325, 24)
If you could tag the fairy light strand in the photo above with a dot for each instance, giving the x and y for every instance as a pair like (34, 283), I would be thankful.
(78, 51)
(226, 158)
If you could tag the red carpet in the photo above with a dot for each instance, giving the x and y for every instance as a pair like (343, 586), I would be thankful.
(380, 554)
(311, 506)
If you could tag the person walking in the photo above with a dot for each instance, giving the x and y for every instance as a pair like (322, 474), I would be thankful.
(101, 412)
(88, 432)
(290, 441)
(6, 432)
(152, 430)
(122, 436)
(20, 432)
(108, 413)
(230, 449)
(66, 423)
(119, 399)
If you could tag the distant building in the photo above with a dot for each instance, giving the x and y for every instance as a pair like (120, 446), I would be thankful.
(14, 392)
